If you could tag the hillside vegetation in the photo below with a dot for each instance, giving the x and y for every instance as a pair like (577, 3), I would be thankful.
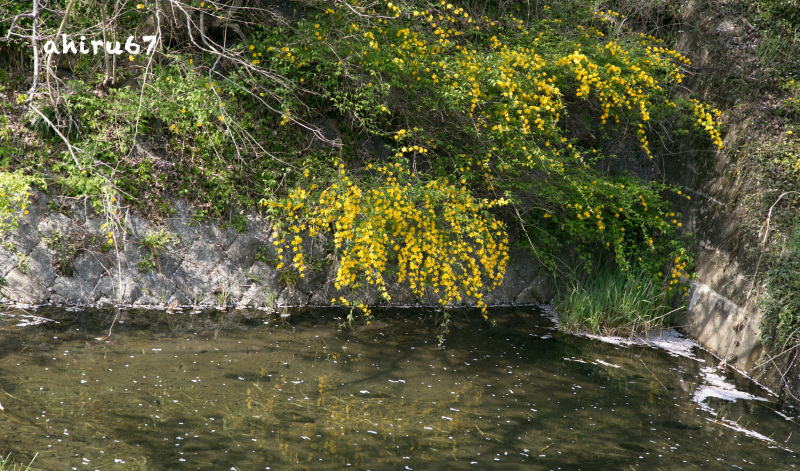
(422, 138)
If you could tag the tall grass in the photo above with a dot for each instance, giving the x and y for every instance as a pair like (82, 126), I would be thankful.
(612, 302)
(7, 464)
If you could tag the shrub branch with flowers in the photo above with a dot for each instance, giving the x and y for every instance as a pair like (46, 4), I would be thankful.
(434, 234)
(488, 100)
(14, 193)
(492, 119)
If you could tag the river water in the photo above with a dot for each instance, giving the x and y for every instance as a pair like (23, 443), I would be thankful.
(241, 390)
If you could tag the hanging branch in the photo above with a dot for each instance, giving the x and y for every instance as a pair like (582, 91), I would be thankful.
(50, 54)
(114, 58)
(35, 43)
(107, 79)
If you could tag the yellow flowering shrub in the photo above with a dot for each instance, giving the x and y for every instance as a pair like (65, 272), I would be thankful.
(477, 115)
(14, 195)
(435, 235)
(490, 101)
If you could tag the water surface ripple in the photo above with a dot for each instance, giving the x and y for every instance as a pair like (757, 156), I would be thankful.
(246, 390)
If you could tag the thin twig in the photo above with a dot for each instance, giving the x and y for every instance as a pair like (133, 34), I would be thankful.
(66, 141)
(763, 242)
(35, 44)
(60, 31)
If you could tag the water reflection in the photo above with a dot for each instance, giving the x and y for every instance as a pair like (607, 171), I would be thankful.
(242, 390)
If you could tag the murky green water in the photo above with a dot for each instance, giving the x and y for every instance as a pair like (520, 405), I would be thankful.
(250, 391)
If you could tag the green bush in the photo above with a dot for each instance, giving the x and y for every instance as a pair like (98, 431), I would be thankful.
(781, 303)
(14, 195)
(490, 116)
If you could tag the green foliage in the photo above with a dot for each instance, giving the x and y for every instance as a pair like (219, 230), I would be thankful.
(791, 104)
(8, 464)
(266, 255)
(14, 195)
(195, 137)
(81, 184)
(486, 114)
(66, 248)
(773, 167)
(614, 302)
(781, 303)
(288, 276)
(489, 98)
(62, 261)
(24, 263)
(6, 147)
(782, 12)
(65, 121)
(154, 243)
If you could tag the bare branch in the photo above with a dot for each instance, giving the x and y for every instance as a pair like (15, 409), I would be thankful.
(63, 138)
(60, 31)
(35, 44)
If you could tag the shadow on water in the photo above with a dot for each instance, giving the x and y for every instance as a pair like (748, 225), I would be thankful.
(249, 390)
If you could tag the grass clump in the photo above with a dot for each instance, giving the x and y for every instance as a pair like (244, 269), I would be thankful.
(154, 242)
(7, 464)
(615, 302)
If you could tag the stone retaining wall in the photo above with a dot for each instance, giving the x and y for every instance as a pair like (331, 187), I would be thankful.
(59, 255)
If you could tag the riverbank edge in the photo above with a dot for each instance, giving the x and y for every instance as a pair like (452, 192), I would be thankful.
(60, 255)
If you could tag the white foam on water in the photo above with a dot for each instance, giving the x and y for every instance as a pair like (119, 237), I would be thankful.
(675, 343)
(669, 340)
(578, 360)
(28, 320)
(734, 426)
(716, 386)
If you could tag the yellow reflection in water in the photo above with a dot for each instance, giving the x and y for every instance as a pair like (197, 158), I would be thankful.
(357, 426)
